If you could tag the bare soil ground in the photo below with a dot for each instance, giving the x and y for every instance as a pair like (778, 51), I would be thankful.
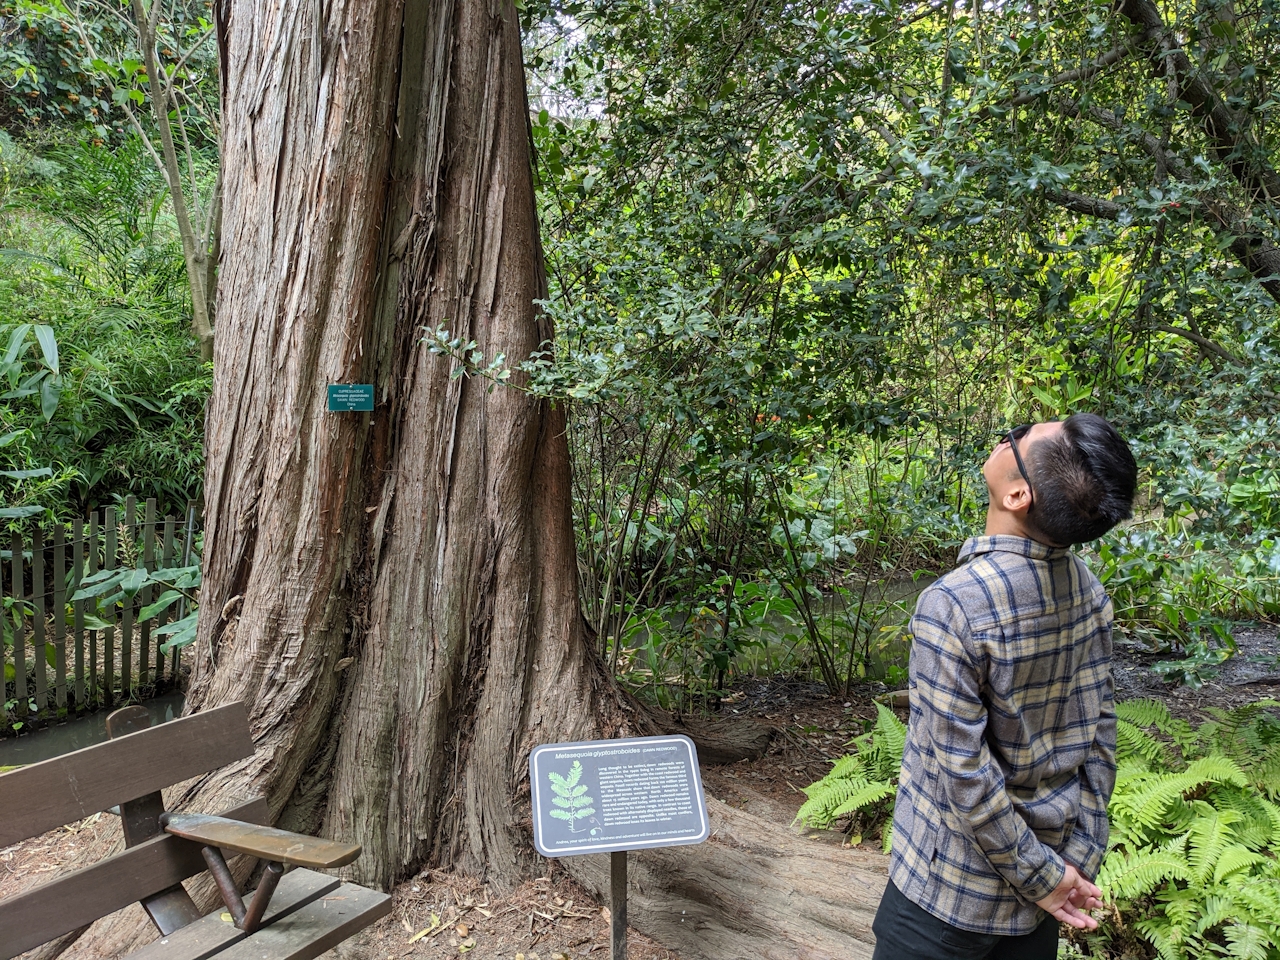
(1252, 674)
(551, 918)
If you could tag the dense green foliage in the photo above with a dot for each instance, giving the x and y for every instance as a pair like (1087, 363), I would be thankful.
(1191, 868)
(807, 258)
(103, 393)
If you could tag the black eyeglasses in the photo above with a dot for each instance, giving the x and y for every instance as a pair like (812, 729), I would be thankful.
(1013, 436)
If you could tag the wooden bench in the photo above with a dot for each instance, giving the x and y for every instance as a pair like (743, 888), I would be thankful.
(294, 915)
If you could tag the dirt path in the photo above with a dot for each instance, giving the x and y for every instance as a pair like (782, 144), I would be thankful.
(1252, 674)
(551, 918)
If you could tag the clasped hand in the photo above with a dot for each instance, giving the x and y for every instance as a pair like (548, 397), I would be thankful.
(1071, 900)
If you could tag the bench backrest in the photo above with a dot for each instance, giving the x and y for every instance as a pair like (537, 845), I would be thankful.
(46, 795)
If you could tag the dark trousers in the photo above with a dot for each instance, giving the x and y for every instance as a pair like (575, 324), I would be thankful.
(905, 931)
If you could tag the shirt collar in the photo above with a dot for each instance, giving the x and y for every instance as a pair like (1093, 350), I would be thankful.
(1006, 543)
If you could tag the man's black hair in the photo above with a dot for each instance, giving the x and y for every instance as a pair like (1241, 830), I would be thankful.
(1083, 480)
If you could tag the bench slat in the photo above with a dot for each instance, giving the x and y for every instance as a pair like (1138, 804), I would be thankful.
(207, 936)
(68, 903)
(96, 778)
(317, 927)
(265, 842)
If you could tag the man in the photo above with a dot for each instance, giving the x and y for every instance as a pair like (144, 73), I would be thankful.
(1001, 818)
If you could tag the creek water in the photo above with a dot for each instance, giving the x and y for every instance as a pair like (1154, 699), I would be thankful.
(54, 741)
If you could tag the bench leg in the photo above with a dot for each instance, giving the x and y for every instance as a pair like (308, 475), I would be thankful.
(262, 896)
(246, 919)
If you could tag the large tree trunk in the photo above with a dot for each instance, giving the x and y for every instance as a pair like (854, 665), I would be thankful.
(395, 594)
(399, 587)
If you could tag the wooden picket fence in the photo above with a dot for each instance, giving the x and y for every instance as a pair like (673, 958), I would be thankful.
(55, 665)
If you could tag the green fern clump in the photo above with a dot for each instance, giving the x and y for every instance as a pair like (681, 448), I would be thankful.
(1195, 831)
(861, 782)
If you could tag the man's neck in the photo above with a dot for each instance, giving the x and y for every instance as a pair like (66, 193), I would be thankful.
(1002, 524)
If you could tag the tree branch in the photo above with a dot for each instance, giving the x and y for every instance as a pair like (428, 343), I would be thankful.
(1123, 51)
(1202, 342)
(1251, 248)
(1081, 203)
(1230, 139)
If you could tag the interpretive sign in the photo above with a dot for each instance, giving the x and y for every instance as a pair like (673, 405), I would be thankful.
(606, 795)
(348, 397)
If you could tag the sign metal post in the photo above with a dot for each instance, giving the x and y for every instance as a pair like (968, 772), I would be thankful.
(612, 796)
(618, 905)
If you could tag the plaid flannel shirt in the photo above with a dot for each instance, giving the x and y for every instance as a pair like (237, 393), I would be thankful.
(1010, 755)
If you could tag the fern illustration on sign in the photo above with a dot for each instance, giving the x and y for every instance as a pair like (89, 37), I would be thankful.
(571, 800)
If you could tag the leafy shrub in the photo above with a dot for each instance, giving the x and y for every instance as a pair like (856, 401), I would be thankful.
(1205, 552)
(101, 387)
(1194, 835)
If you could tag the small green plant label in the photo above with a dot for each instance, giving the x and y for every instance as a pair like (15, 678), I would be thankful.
(571, 800)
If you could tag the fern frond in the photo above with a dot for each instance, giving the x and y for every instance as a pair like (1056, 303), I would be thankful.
(887, 744)
(1209, 835)
(1265, 771)
(1212, 910)
(1132, 741)
(1247, 942)
(826, 796)
(1146, 799)
(1164, 936)
(1139, 873)
(1231, 733)
(861, 779)
(850, 765)
(1259, 818)
(1261, 897)
(890, 735)
(1144, 712)
(1233, 859)
(1153, 713)
(886, 837)
(1183, 907)
(864, 796)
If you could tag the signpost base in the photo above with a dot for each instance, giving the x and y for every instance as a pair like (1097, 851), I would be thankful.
(618, 904)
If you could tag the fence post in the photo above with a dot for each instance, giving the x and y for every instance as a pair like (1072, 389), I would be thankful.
(187, 546)
(17, 623)
(77, 607)
(127, 604)
(59, 619)
(40, 662)
(166, 560)
(145, 597)
(95, 691)
(111, 531)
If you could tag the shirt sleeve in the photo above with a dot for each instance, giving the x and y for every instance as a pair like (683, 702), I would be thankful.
(1088, 842)
(953, 721)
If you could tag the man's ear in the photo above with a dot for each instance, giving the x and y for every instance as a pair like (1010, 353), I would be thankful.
(1017, 499)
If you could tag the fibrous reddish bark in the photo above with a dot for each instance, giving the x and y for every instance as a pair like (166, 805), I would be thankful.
(394, 594)
(398, 588)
